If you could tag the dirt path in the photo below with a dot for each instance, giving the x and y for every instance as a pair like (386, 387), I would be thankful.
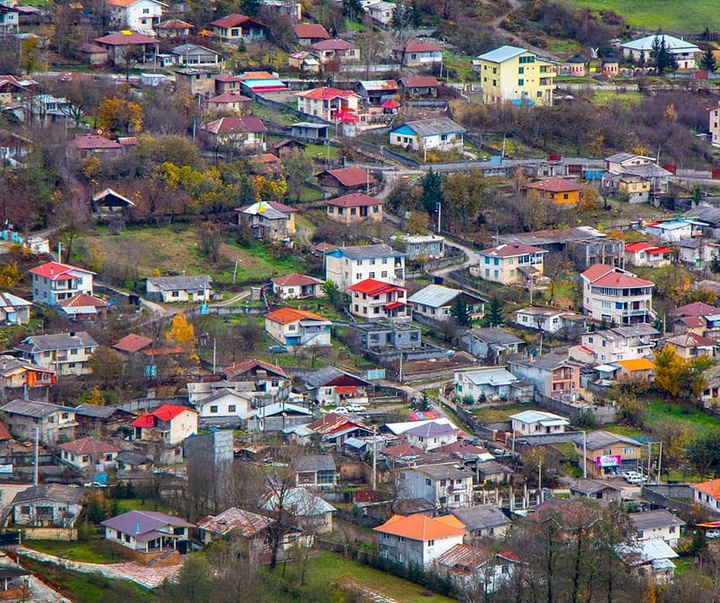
(496, 25)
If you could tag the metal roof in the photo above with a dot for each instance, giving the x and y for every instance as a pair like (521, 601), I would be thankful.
(481, 517)
(602, 439)
(492, 376)
(180, 283)
(538, 416)
(434, 296)
(314, 462)
(659, 518)
(29, 408)
(57, 341)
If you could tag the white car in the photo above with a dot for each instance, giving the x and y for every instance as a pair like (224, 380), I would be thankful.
(631, 475)
(636, 479)
(356, 408)
(712, 534)
(341, 410)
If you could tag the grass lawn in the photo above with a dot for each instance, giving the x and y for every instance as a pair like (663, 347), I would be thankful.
(322, 151)
(138, 504)
(698, 422)
(497, 414)
(93, 551)
(326, 568)
(671, 16)
(604, 98)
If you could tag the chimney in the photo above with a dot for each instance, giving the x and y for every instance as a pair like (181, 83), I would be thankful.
(137, 527)
(72, 333)
(52, 270)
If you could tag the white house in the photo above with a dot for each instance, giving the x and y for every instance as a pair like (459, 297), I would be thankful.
(223, 405)
(168, 423)
(437, 302)
(66, 353)
(54, 282)
(620, 343)
(89, 454)
(428, 246)
(381, 12)
(707, 494)
(549, 320)
(657, 524)
(443, 485)
(671, 231)
(489, 382)
(328, 103)
(616, 296)
(297, 286)
(372, 299)
(347, 266)
(428, 436)
(137, 15)
(684, 52)
(297, 328)
(538, 422)
(148, 531)
(418, 540)
(179, 288)
(646, 254)
(442, 134)
(14, 310)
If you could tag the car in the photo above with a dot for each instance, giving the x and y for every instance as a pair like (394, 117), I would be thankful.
(712, 534)
(277, 349)
(636, 479)
(356, 408)
(630, 475)
(341, 410)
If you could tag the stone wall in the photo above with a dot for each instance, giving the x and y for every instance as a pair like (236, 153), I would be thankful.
(66, 534)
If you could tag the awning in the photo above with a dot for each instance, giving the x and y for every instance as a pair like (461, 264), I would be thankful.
(394, 305)
(345, 390)
(347, 117)
(390, 103)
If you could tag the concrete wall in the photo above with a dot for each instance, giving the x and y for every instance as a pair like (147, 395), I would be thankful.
(66, 534)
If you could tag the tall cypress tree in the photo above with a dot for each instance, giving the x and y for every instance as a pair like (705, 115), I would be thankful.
(432, 191)
(494, 313)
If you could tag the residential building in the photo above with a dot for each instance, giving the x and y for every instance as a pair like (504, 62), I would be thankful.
(575, 66)
(304, 61)
(608, 453)
(279, 417)
(347, 266)
(173, 28)
(54, 282)
(315, 471)
(195, 82)
(94, 419)
(492, 343)
(327, 103)
(429, 436)
(336, 51)
(168, 423)
(443, 485)
(635, 189)
(376, 92)
(697, 253)
(89, 454)
(639, 166)
(120, 44)
(487, 383)
(616, 296)
(14, 310)
(9, 20)
(442, 134)
(658, 523)
(222, 406)
(47, 506)
(516, 75)
(551, 320)
(17, 376)
(298, 328)
(599, 491)
(638, 370)
(238, 29)
(537, 422)
(384, 337)
(690, 345)
(616, 344)
(148, 534)
(645, 254)
(53, 423)
(422, 86)
(509, 264)
(261, 82)
(707, 494)
(179, 288)
(672, 231)
(66, 353)
(418, 540)
(714, 126)
(353, 207)
(372, 299)
(109, 203)
(93, 145)
(236, 523)
(13, 90)
(417, 53)
(381, 12)
(428, 247)
(192, 55)
(268, 219)
(437, 302)
(239, 133)
(310, 33)
(309, 512)
(227, 82)
(483, 521)
(297, 286)
(684, 52)
(470, 567)
(651, 559)
(229, 102)
(330, 386)
(556, 190)
(139, 15)
(284, 8)
(262, 380)
(553, 375)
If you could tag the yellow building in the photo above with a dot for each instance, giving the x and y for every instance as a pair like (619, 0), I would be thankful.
(556, 190)
(516, 75)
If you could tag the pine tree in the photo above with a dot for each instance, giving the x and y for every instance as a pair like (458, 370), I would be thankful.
(664, 59)
(461, 312)
(708, 62)
(432, 191)
(494, 314)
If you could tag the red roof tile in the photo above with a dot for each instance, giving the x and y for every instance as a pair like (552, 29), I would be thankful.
(416, 46)
(122, 38)
(355, 200)
(230, 97)
(233, 125)
(373, 287)
(309, 31)
(240, 368)
(84, 300)
(234, 20)
(596, 271)
(511, 250)
(89, 445)
(326, 93)
(555, 185)
(132, 343)
(696, 309)
(420, 82)
(57, 271)
(350, 176)
(336, 44)
(296, 280)
(616, 280)
(285, 316)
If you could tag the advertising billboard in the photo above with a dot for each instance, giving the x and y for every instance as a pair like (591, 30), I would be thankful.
(609, 460)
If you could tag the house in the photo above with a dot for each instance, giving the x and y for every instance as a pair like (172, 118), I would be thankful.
(148, 535)
(268, 219)
(553, 375)
(698, 317)
(353, 207)
(228, 102)
(437, 302)
(657, 524)
(335, 51)
(418, 540)
(297, 286)
(617, 344)
(348, 266)
(492, 343)
(330, 386)
(15, 582)
(635, 189)
(638, 166)
(261, 82)
(483, 521)
(690, 345)
(441, 133)
(13, 90)
(108, 203)
(421, 86)
(608, 453)
(644, 254)
(328, 103)
(20, 375)
(53, 423)
(283, 417)
(443, 485)
(376, 92)
(192, 55)
(428, 436)
(239, 133)
(54, 282)
(428, 247)
(714, 126)
(9, 20)
(238, 523)
(515, 75)
(315, 471)
(417, 53)
(335, 429)
(309, 512)
(537, 422)
(698, 254)
(131, 344)
(47, 506)
(346, 180)
(168, 423)
(284, 8)
(651, 559)
(550, 320)
(683, 52)
(298, 328)
(222, 406)
(94, 419)
(672, 231)
(616, 296)
(89, 454)
(304, 61)
(310, 33)
(372, 299)
(179, 288)
(84, 305)
(311, 132)
(139, 15)
(707, 494)
(555, 190)
(489, 383)
(381, 12)
(575, 66)
(596, 490)
(238, 29)
(173, 28)
(195, 82)
(477, 570)
(511, 263)
(14, 310)
(227, 82)
(288, 146)
(93, 145)
(66, 353)
(385, 339)
(124, 43)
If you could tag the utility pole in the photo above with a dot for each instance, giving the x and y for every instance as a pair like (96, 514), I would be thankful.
(374, 464)
(214, 354)
(584, 454)
(439, 208)
(37, 456)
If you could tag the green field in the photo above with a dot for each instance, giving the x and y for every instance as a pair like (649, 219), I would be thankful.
(497, 414)
(669, 15)
(699, 422)
(86, 552)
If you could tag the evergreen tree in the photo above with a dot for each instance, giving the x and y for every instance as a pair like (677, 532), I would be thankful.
(664, 59)
(461, 312)
(432, 191)
(494, 314)
(352, 9)
(708, 62)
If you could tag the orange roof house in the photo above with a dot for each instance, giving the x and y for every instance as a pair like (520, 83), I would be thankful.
(298, 328)
(707, 494)
(346, 180)
(353, 207)
(557, 190)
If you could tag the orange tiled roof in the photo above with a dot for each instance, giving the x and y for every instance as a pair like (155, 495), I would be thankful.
(288, 315)
(419, 527)
(711, 487)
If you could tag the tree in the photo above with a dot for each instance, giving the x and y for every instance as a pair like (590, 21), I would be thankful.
(432, 191)
(9, 275)
(663, 58)
(697, 194)
(210, 237)
(181, 333)
(106, 366)
(708, 61)
(297, 170)
(669, 369)
(461, 312)
(120, 116)
(352, 9)
(465, 194)
(332, 292)
(417, 223)
(494, 313)
(673, 282)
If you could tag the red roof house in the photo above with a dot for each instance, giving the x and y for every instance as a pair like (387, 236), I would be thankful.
(168, 423)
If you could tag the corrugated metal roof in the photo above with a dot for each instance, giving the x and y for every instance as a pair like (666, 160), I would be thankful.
(434, 296)
(504, 53)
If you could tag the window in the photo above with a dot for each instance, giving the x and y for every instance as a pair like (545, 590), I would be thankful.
(521, 70)
(85, 459)
(428, 482)
(88, 350)
(25, 509)
(672, 529)
(628, 450)
(640, 533)
(456, 498)
(521, 82)
(213, 409)
(232, 408)
(443, 483)
(431, 543)
(146, 11)
(526, 60)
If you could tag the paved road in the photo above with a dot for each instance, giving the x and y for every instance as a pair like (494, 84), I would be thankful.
(42, 593)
